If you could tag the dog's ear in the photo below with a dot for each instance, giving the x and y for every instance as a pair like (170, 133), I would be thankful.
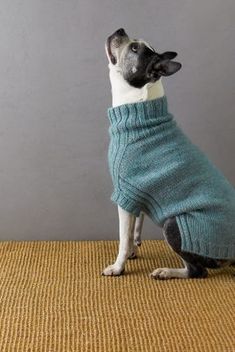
(168, 67)
(161, 67)
(168, 55)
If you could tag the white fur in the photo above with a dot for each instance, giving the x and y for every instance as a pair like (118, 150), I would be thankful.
(123, 93)
(168, 273)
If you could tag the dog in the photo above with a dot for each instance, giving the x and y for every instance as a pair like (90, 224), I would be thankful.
(136, 71)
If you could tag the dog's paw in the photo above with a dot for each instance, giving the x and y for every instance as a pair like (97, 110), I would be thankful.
(161, 274)
(133, 253)
(112, 270)
(137, 241)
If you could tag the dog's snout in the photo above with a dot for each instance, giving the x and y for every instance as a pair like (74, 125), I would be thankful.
(121, 32)
(115, 43)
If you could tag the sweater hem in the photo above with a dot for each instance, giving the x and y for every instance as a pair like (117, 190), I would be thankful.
(126, 203)
(201, 247)
(134, 204)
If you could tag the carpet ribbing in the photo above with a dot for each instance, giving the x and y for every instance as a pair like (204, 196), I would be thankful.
(53, 299)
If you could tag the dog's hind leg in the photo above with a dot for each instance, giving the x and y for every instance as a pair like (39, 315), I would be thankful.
(137, 236)
(195, 265)
(169, 273)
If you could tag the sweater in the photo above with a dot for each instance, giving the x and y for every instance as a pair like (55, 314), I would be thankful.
(156, 169)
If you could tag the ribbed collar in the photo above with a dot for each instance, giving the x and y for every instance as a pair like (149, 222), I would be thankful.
(152, 109)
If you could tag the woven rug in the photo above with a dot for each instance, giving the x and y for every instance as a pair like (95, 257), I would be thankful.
(53, 298)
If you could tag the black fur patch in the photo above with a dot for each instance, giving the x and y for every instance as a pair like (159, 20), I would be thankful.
(140, 60)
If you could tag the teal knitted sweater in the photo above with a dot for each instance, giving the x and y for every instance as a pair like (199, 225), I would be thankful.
(156, 169)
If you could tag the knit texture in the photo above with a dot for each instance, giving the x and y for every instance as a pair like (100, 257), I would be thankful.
(54, 299)
(156, 169)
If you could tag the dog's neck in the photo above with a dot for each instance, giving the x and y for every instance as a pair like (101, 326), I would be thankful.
(123, 93)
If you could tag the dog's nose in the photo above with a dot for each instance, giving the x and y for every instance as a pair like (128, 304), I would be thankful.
(121, 32)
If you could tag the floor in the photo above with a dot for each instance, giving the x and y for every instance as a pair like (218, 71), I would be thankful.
(53, 298)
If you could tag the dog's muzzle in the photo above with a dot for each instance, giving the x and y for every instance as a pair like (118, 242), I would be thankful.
(115, 40)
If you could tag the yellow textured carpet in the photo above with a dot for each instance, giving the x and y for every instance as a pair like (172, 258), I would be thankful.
(53, 298)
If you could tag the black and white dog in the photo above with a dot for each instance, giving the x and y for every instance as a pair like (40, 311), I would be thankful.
(135, 70)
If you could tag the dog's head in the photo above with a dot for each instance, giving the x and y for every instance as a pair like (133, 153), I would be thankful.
(137, 61)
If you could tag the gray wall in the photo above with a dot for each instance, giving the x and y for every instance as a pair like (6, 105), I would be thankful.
(54, 91)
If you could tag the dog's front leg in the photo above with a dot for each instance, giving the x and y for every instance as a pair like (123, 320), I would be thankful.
(138, 229)
(126, 235)
(137, 236)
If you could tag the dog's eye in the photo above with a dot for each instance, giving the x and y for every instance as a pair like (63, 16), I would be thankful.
(134, 47)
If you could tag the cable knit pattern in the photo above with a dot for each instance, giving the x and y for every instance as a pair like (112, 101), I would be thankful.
(156, 169)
